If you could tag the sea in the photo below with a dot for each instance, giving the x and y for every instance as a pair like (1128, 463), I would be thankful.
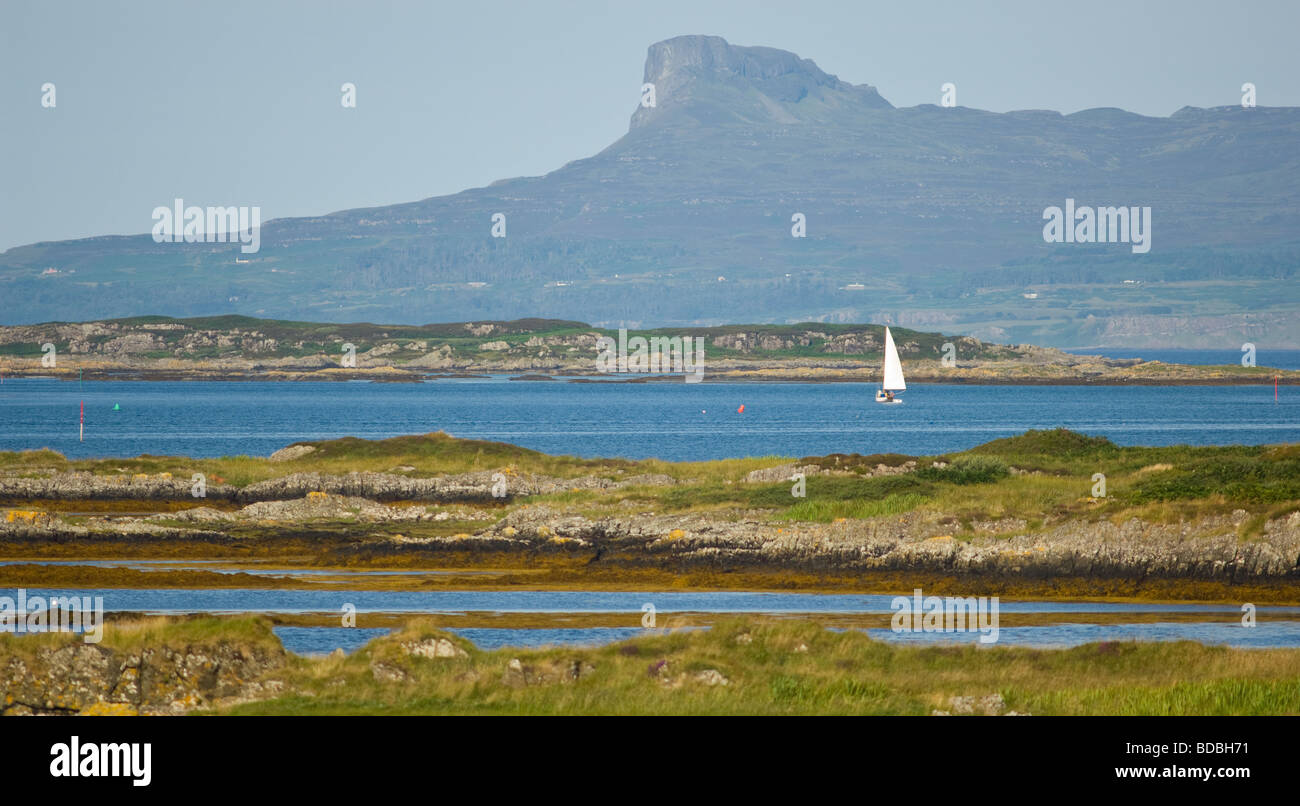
(668, 420)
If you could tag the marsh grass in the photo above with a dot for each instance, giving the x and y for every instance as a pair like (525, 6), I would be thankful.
(971, 469)
(1253, 526)
(153, 631)
(430, 454)
(790, 667)
(826, 511)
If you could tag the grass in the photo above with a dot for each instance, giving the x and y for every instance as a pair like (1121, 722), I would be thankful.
(1254, 526)
(429, 454)
(1259, 479)
(826, 511)
(793, 668)
(152, 632)
(976, 469)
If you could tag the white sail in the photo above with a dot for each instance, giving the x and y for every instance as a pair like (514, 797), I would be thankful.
(893, 367)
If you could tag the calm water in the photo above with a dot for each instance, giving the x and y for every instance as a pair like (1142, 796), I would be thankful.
(317, 640)
(210, 566)
(180, 600)
(1265, 635)
(671, 421)
(323, 640)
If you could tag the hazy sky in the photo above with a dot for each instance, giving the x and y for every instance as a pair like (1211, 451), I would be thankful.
(237, 103)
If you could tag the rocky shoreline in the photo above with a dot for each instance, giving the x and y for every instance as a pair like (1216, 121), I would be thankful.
(1207, 548)
(484, 487)
(1119, 373)
(1230, 516)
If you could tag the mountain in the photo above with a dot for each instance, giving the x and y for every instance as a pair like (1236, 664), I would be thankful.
(923, 216)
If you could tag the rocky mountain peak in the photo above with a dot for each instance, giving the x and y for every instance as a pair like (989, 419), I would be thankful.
(716, 78)
(714, 57)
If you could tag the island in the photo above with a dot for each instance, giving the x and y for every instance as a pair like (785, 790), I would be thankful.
(243, 348)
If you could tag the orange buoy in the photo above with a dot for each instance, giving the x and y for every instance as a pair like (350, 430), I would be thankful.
(741, 410)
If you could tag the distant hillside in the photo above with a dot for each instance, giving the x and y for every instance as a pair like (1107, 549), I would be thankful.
(924, 217)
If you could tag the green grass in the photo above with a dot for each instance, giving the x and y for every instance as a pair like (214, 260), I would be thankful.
(967, 470)
(1210, 698)
(835, 673)
(1259, 479)
(826, 511)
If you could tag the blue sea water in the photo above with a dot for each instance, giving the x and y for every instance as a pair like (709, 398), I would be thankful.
(263, 600)
(1277, 627)
(1266, 635)
(672, 421)
(324, 640)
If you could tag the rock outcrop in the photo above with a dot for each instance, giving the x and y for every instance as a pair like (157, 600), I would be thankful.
(484, 485)
(94, 679)
(1205, 549)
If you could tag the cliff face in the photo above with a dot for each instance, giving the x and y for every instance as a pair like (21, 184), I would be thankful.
(710, 81)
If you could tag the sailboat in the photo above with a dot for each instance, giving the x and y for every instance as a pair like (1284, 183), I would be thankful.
(893, 381)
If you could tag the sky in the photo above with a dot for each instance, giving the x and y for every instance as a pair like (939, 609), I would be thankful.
(238, 103)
